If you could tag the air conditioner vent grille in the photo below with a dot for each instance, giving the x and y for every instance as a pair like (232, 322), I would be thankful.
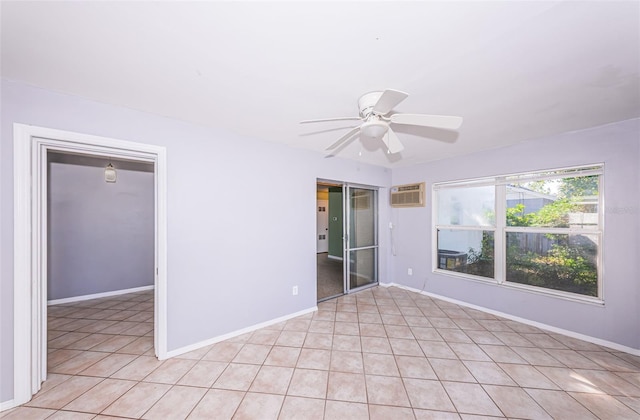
(409, 195)
(412, 187)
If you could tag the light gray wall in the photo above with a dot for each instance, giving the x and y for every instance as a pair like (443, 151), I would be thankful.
(221, 228)
(232, 257)
(618, 147)
(101, 235)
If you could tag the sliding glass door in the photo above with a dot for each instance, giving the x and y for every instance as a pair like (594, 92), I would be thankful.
(361, 241)
(350, 261)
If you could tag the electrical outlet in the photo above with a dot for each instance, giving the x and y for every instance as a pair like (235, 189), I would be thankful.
(294, 291)
(410, 271)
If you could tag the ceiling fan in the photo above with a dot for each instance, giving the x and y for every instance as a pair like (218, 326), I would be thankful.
(375, 109)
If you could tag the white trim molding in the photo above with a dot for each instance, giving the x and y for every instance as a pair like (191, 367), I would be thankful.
(98, 295)
(22, 278)
(196, 346)
(7, 405)
(31, 145)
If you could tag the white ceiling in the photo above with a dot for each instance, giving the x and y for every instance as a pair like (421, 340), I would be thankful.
(514, 70)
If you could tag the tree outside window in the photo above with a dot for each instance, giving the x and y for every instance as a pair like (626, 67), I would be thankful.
(565, 260)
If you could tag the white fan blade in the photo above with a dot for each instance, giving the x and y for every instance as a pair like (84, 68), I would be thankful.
(438, 121)
(388, 100)
(344, 138)
(392, 142)
(330, 119)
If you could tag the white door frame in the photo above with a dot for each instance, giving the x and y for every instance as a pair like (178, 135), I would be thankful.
(30, 147)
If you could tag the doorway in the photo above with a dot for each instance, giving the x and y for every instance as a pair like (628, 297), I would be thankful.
(100, 233)
(31, 147)
(100, 261)
(347, 238)
(329, 252)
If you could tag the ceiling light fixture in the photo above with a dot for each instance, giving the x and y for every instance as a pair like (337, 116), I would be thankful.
(374, 128)
(110, 173)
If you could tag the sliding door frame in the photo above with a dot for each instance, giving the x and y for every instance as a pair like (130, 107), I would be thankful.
(347, 203)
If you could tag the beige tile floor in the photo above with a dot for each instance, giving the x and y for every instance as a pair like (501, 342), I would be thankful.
(383, 353)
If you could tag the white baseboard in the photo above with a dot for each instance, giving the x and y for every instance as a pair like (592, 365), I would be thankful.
(7, 405)
(98, 295)
(196, 346)
(568, 333)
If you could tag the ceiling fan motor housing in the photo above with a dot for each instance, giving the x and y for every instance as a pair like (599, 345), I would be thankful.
(367, 102)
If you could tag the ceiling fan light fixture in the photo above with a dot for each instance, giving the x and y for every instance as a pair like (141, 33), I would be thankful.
(375, 110)
(374, 128)
(110, 174)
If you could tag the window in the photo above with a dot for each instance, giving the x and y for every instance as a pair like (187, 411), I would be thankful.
(466, 228)
(537, 230)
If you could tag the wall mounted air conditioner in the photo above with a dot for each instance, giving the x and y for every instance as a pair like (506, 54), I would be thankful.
(409, 195)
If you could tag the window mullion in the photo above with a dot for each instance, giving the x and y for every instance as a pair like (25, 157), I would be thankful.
(553, 231)
(465, 227)
(434, 232)
(500, 235)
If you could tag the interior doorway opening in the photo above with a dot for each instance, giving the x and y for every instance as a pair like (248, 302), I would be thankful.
(330, 269)
(100, 218)
(347, 238)
(31, 147)
(100, 232)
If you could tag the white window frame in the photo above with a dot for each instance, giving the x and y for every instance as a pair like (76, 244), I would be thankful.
(500, 229)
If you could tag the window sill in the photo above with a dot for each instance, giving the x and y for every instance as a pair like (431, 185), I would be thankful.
(522, 287)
